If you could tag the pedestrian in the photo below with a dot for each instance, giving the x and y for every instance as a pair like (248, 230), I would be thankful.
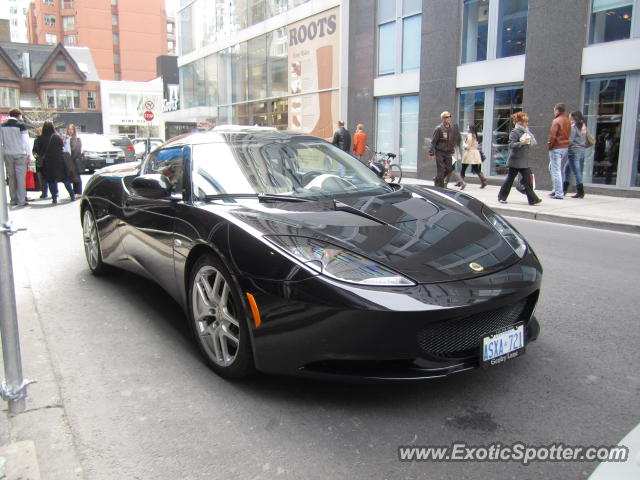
(342, 137)
(359, 141)
(72, 153)
(472, 156)
(445, 139)
(575, 157)
(14, 138)
(44, 186)
(50, 150)
(558, 145)
(520, 142)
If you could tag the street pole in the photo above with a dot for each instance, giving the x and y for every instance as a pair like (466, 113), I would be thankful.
(14, 388)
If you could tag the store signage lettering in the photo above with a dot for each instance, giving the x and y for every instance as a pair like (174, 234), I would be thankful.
(318, 28)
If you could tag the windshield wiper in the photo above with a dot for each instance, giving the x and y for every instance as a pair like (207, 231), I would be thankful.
(262, 197)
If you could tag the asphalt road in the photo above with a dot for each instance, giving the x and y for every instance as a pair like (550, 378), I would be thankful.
(142, 405)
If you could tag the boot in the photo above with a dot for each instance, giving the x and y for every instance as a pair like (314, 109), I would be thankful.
(565, 187)
(483, 180)
(580, 194)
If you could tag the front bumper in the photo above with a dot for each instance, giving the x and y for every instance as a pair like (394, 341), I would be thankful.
(321, 329)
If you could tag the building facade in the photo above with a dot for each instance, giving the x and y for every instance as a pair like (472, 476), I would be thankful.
(53, 80)
(395, 65)
(16, 12)
(125, 36)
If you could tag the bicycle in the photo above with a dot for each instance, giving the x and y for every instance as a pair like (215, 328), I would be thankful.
(383, 165)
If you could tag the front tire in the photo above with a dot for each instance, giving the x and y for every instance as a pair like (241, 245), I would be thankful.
(218, 319)
(92, 249)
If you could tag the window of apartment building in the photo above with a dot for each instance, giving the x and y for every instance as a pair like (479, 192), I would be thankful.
(256, 11)
(50, 38)
(169, 27)
(491, 107)
(61, 65)
(14, 22)
(68, 4)
(8, 97)
(397, 128)
(116, 39)
(48, 2)
(611, 20)
(13, 10)
(114, 2)
(60, 98)
(116, 59)
(399, 32)
(91, 100)
(114, 19)
(68, 22)
(493, 29)
(70, 40)
(50, 20)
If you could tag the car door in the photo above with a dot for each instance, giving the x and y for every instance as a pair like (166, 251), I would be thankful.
(149, 235)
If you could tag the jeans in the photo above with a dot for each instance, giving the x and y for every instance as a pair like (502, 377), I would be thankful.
(53, 187)
(526, 181)
(575, 165)
(556, 156)
(444, 167)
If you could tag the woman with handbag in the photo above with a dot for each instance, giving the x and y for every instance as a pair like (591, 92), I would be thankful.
(472, 155)
(575, 158)
(50, 151)
(39, 167)
(520, 141)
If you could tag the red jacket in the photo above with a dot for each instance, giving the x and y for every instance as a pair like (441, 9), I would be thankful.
(359, 142)
(559, 133)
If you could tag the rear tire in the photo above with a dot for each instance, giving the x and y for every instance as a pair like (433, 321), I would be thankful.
(218, 320)
(393, 173)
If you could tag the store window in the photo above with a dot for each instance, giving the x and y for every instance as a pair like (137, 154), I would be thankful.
(603, 112)
(635, 168)
(60, 98)
(399, 35)
(610, 20)
(512, 28)
(471, 111)
(8, 97)
(474, 30)
(278, 62)
(507, 101)
(397, 128)
(257, 53)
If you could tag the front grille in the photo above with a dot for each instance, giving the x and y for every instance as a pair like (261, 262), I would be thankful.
(462, 337)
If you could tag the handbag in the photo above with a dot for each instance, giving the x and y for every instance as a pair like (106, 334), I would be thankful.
(31, 181)
(590, 141)
(482, 156)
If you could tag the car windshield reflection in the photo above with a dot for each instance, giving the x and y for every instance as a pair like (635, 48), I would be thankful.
(298, 167)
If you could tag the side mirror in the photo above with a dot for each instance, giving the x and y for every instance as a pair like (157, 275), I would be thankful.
(152, 186)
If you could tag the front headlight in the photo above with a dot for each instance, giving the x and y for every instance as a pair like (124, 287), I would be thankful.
(512, 237)
(120, 154)
(91, 154)
(335, 262)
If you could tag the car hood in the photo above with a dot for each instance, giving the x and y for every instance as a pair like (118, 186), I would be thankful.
(425, 234)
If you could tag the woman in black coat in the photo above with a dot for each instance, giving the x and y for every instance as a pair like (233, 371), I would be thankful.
(50, 151)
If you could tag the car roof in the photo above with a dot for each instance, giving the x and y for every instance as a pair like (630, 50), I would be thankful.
(234, 134)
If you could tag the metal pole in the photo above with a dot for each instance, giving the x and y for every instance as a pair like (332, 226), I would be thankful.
(14, 388)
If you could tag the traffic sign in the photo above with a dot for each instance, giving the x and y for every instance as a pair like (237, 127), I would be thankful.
(149, 105)
(148, 115)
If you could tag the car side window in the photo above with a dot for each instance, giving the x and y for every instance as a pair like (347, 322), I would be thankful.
(170, 163)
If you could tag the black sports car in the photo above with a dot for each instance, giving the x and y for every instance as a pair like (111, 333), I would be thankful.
(290, 256)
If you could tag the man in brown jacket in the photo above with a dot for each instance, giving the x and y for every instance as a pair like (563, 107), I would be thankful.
(558, 145)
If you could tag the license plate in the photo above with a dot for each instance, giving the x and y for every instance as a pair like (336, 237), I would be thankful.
(503, 345)
(109, 160)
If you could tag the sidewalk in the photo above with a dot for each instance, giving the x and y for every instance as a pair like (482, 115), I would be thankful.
(596, 211)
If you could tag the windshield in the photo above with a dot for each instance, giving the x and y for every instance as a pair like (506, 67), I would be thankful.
(95, 143)
(299, 167)
(140, 145)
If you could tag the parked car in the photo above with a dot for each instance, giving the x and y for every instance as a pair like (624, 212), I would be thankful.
(126, 145)
(139, 144)
(290, 256)
(98, 152)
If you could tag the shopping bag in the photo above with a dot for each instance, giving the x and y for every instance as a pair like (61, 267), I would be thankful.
(31, 183)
